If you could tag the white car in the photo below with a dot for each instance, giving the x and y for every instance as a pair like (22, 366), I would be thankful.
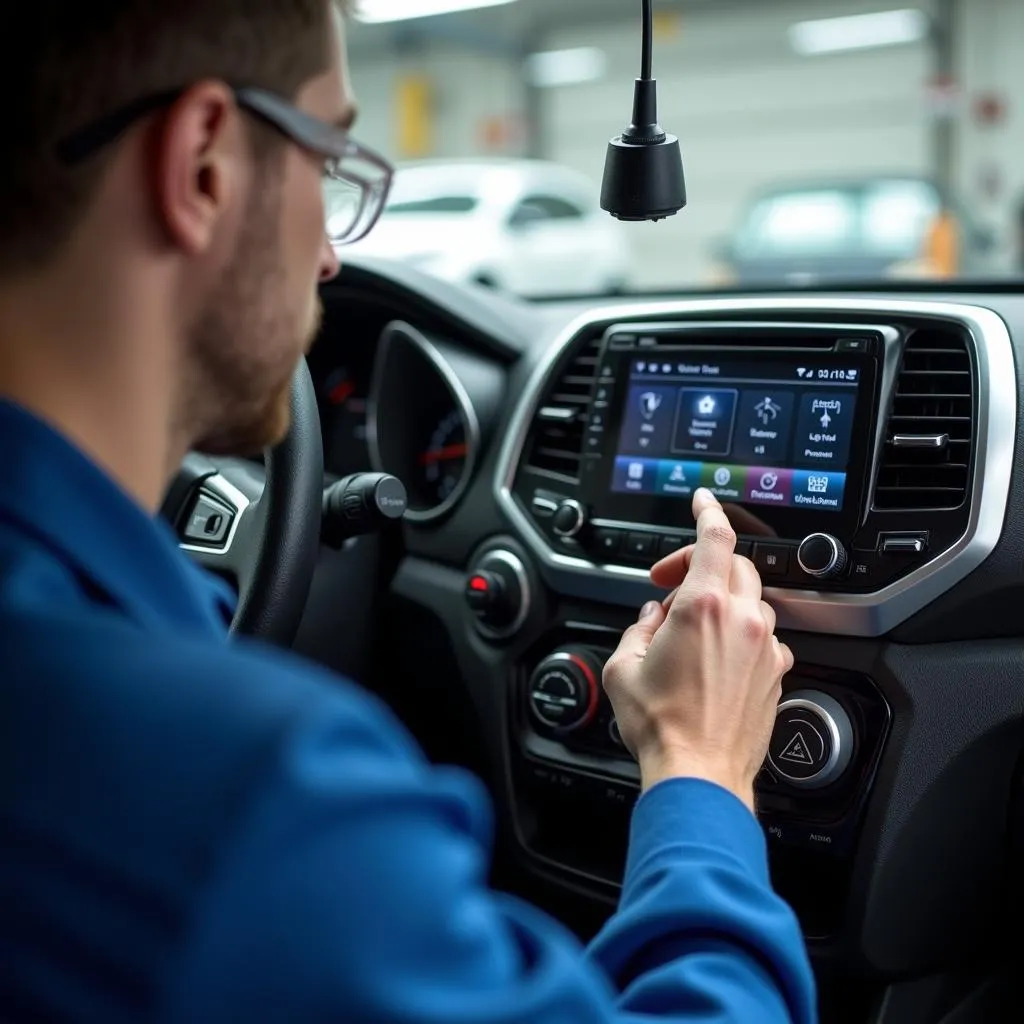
(528, 227)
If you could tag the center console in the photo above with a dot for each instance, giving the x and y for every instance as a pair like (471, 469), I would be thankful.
(847, 443)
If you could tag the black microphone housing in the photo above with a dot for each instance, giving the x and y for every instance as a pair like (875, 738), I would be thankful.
(643, 171)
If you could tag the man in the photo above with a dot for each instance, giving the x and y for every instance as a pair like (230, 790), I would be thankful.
(193, 829)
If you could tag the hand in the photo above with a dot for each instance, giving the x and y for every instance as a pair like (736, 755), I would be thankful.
(696, 682)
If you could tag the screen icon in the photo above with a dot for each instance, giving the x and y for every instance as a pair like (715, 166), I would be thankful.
(678, 479)
(819, 490)
(764, 426)
(767, 410)
(704, 422)
(727, 483)
(650, 403)
(824, 429)
(634, 476)
(768, 486)
(801, 371)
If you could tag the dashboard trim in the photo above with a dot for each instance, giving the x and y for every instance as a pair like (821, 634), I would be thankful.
(460, 397)
(861, 615)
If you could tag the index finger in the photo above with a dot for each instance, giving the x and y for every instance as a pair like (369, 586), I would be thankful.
(716, 541)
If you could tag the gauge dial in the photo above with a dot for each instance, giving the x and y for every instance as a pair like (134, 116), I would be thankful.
(423, 425)
(442, 465)
(343, 415)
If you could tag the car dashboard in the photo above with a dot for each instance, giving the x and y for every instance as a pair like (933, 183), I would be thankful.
(864, 445)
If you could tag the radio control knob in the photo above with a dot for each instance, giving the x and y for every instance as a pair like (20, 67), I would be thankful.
(812, 743)
(564, 690)
(822, 556)
(570, 517)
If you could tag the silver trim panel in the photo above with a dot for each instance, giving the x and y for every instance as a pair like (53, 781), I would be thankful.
(460, 399)
(865, 615)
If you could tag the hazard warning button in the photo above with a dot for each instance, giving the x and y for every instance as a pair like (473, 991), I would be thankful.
(812, 744)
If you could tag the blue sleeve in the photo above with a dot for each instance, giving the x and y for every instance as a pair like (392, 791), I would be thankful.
(700, 935)
(355, 889)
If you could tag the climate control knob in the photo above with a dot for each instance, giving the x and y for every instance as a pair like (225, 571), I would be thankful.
(812, 743)
(822, 556)
(564, 690)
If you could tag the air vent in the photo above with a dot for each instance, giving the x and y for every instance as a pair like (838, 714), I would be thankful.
(556, 441)
(927, 458)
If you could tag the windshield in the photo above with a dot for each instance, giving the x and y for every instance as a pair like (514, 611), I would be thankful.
(825, 142)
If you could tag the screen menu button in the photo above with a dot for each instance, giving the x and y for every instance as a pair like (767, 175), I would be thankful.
(824, 428)
(704, 423)
(635, 475)
(768, 486)
(814, 489)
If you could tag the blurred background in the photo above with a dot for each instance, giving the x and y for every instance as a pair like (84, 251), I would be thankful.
(823, 140)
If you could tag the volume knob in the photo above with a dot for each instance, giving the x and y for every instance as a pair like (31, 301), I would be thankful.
(822, 556)
(570, 517)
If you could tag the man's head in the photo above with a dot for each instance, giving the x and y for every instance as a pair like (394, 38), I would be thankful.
(131, 147)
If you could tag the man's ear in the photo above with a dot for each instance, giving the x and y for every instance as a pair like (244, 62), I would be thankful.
(197, 169)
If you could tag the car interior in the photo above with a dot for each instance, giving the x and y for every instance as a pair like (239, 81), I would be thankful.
(492, 479)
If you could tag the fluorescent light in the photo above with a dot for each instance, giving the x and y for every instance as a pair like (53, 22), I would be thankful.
(553, 68)
(859, 32)
(378, 11)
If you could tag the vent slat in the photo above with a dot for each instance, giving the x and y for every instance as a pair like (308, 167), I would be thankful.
(556, 446)
(934, 395)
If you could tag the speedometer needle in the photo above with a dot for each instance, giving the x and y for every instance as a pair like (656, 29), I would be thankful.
(452, 451)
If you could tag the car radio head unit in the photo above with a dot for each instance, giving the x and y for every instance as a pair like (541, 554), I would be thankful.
(778, 426)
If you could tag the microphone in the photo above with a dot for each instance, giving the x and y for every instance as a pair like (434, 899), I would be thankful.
(643, 171)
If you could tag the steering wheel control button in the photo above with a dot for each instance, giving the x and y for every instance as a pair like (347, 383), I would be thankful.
(822, 556)
(564, 690)
(812, 743)
(771, 559)
(497, 592)
(569, 519)
(209, 522)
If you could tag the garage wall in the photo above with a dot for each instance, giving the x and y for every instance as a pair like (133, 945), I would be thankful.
(748, 113)
(467, 92)
(991, 156)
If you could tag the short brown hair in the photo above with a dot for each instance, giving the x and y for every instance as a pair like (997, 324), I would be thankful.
(79, 61)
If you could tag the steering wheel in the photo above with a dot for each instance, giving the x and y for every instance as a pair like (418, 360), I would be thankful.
(259, 527)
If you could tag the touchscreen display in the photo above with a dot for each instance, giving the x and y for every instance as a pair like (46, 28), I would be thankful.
(752, 429)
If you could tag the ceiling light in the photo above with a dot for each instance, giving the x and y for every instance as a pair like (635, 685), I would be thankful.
(565, 67)
(859, 32)
(375, 12)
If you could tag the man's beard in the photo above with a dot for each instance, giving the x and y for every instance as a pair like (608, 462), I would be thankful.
(244, 348)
